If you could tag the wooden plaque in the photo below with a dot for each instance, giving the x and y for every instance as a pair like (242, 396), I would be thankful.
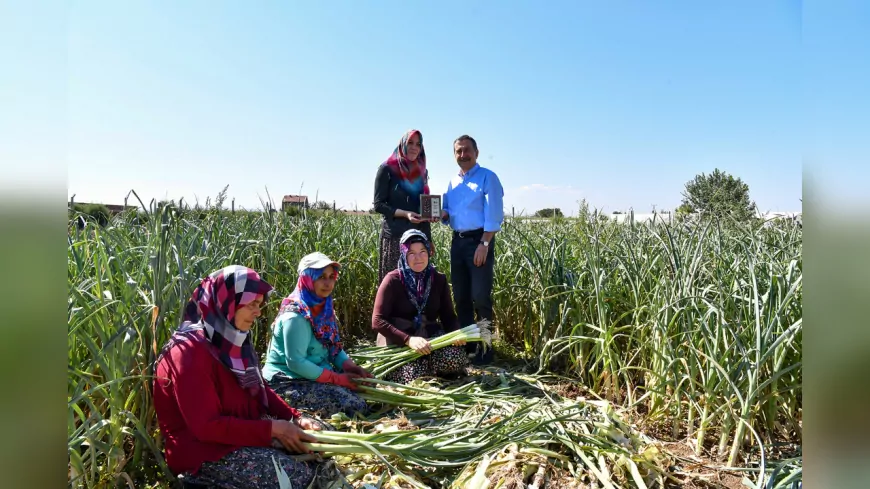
(430, 206)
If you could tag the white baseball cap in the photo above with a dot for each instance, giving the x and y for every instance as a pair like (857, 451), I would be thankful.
(413, 233)
(316, 260)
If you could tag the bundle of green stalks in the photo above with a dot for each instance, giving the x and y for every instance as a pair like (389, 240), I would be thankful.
(421, 400)
(381, 360)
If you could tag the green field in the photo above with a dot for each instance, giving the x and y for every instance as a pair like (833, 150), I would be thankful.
(692, 331)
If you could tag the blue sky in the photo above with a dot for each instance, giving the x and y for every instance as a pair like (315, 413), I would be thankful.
(618, 103)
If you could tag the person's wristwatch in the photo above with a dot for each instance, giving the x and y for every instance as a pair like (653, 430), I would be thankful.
(484, 243)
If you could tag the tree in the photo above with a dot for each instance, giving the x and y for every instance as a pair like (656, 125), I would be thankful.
(549, 213)
(717, 195)
(99, 212)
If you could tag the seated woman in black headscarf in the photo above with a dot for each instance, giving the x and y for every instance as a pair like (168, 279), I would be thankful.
(414, 305)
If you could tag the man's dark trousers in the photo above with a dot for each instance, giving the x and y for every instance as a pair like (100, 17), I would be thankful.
(472, 285)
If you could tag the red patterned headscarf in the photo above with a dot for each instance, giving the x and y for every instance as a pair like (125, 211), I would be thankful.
(318, 311)
(209, 316)
(412, 175)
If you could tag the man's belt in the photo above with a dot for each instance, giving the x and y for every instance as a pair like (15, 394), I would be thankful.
(469, 234)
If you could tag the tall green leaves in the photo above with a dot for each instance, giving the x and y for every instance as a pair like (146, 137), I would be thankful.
(698, 324)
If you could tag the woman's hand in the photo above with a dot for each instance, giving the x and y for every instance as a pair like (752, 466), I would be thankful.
(420, 345)
(308, 424)
(352, 368)
(459, 343)
(414, 217)
(346, 380)
(291, 436)
(335, 378)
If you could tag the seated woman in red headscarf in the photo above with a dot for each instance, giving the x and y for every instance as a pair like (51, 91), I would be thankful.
(220, 422)
(413, 305)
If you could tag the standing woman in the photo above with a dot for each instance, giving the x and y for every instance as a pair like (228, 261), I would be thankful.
(398, 185)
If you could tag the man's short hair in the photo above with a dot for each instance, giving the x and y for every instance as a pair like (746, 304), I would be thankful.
(466, 137)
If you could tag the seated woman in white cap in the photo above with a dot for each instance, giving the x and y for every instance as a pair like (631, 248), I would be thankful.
(413, 305)
(306, 363)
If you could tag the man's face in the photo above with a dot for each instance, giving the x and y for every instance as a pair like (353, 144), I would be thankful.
(464, 153)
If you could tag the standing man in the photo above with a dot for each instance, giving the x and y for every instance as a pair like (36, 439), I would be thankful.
(472, 205)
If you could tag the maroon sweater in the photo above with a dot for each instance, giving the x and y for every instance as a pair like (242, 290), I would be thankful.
(204, 413)
(392, 302)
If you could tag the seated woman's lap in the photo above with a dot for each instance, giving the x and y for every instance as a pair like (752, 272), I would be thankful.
(421, 367)
(447, 360)
(323, 400)
(252, 467)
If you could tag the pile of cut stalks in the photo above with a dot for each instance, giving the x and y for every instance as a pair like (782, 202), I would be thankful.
(491, 429)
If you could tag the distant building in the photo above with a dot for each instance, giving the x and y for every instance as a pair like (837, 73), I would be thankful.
(628, 216)
(300, 201)
(667, 216)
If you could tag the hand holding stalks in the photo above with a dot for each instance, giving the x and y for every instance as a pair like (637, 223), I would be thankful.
(346, 380)
(352, 368)
(291, 436)
(308, 424)
(419, 345)
(343, 379)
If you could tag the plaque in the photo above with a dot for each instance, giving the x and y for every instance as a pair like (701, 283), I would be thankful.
(430, 206)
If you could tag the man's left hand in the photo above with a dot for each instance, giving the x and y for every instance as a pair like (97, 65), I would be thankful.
(480, 255)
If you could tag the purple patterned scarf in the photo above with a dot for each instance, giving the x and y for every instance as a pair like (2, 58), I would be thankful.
(417, 284)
